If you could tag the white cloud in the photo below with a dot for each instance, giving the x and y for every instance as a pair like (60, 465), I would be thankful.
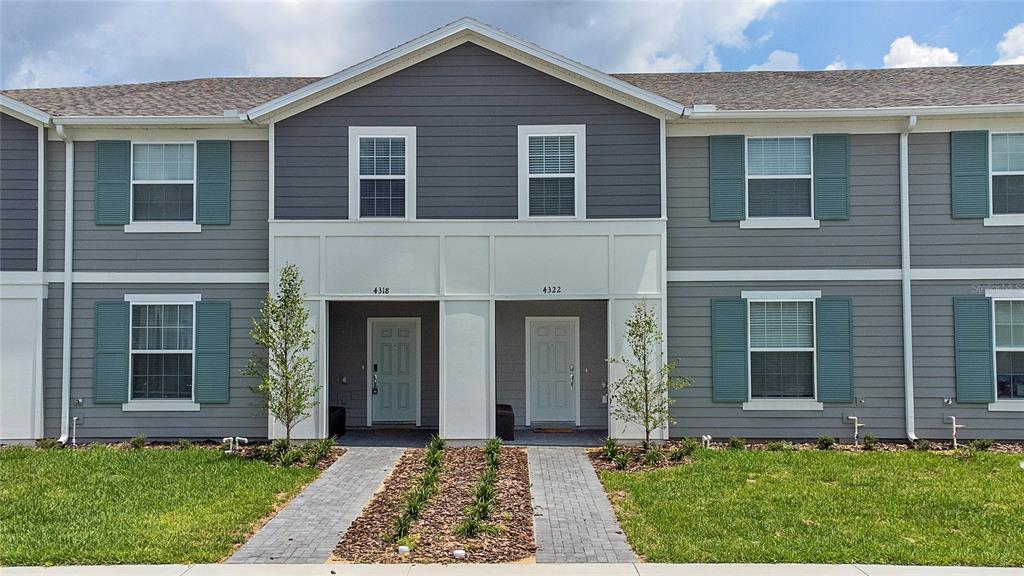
(837, 64)
(905, 53)
(779, 60)
(195, 39)
(1011, 49)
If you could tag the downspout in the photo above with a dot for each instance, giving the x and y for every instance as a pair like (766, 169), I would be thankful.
(69, 227)
(908, 336)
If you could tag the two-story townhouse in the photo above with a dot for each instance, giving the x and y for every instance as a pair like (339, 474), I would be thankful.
(474, 217)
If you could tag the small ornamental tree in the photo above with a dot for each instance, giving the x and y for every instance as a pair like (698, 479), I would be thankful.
(641, 396)
(286, 384)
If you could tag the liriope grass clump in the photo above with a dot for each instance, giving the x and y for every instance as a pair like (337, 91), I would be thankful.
(484, 495)
(425, 488)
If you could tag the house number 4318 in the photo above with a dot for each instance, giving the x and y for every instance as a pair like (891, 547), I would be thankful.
(382, 290)
(552, 290)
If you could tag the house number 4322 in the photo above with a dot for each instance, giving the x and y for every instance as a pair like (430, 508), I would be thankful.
(382, 290)
(552, 290)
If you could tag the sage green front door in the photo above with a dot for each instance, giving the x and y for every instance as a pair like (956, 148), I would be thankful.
(394, 369)
(552, 369)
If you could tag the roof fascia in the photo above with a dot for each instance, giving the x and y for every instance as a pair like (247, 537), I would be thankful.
(23, 111)
(692, 114)
(150, 120)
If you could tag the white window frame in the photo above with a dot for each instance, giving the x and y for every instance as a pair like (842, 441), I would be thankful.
(156, 404)
(355, 134)
(579, 134)
(162, 226)
(1002, 404)
(1000, 219)
(776, 221)
(786, 404)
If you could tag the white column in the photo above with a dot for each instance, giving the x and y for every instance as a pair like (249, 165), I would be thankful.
(467, 373)
(21, 362)
(618, 311)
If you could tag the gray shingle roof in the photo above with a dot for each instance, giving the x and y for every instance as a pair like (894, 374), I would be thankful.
(888, 88)
(885, 88)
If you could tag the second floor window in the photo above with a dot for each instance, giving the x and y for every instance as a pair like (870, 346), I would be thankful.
(1009, 324)
(779, 178)
(163, 182)
(382, 177)
(552, 171)
(782, 349)
(1008, 173)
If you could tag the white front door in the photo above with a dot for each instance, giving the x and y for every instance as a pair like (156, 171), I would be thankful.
(552, 367)
(393, 370)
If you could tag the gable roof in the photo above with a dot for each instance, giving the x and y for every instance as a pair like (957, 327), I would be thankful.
(840, 89)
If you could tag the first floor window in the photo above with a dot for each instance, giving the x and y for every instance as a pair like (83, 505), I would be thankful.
(1008, 173)
(382, 177)
(781, 349)
(163, 182)
(1009, 323)
(162, 351)
(778, 177)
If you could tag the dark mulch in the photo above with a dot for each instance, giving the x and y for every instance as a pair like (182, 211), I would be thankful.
(636, 463)
(432, 537)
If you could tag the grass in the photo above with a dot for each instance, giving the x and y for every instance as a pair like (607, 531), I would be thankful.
(113, 506)
(827, 507)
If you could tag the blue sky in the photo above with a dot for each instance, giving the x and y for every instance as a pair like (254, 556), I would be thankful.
(88, 43)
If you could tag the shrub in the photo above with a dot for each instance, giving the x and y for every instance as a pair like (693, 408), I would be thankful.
(292, 456)
(825, 442)
(653, 456)
(780, 446)
(317, 450)
(400, 526)
(621, 460)
(47, 443)
(610, 449)
(436, 443)
(184, 444)
(138, 441)
(278, 447)
(677, 453)
(922, 445)
(981, 444)
(870, 442)
(737, 443)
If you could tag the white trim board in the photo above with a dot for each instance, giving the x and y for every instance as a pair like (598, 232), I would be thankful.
(23, 111)
(808, 275)
(447, 37)
(162, 277)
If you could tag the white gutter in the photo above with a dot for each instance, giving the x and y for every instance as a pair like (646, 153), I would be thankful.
(908, 326)
(233, 120)
(69, 228)
(708, 112)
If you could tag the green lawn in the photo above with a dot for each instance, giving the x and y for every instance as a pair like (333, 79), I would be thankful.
(113, 506)
(812, 506)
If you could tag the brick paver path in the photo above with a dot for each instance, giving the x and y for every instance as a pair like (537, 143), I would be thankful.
(572, 519)
(309, 528)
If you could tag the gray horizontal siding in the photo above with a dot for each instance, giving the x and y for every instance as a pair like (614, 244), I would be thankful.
(936, 239)
(241, 246)
(19, 194)
(869, 239)
(510, 358)
(241, 416)
(466, 105)
(935, 362)
(878, 366)
(347, 356)
(53, 237)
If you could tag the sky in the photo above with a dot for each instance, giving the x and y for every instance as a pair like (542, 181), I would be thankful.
(84, 43)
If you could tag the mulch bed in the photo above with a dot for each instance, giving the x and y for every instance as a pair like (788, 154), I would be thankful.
(636, 464)
(432, 537)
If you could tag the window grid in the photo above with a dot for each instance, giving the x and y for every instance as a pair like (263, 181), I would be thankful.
(1006, 173)
(551, 174)
(793, 165)
(163, 181)
(1008, 327)
(162, 351)
(382, 176)
(783, 368)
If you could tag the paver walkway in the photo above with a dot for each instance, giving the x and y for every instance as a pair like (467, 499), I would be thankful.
(572, 519)
(309, 528)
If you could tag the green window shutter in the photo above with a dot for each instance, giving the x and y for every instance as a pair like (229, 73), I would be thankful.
(729, 349)
(832, 176)
(972, 336)
(969, 173)
(110, 355)
(213, 352)
(835, 349)
(113, 181)
(728, 178)
(213, 182)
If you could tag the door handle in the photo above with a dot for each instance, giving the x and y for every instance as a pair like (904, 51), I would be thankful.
(572, 375)
(374, 390)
